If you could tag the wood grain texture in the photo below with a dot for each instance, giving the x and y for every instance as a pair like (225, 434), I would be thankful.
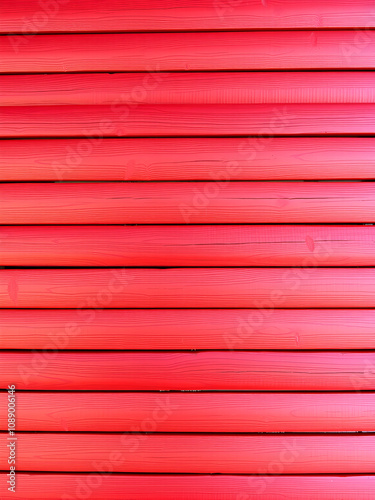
(187, 246)
(194, 453)
(191, 412)
(187, 88)
(187, 202)
(158, 328)
(22, 16)
(196, 51)
(187, 328)
(187, 120)
(220, 159)
(191, 487)
(54, 370)
(188, 288)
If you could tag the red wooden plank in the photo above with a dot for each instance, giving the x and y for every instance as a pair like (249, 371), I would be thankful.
(30, 16)
(192, 412)
(188, 288)
(265, 486)
(155, 52)
(189, 246)
(188, 158)
(194, 453)
(202, 370)
(187, 328)
(187, 88)
(190, 202)
(187, 119)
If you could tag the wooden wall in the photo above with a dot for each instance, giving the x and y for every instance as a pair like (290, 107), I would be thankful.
(187, 249)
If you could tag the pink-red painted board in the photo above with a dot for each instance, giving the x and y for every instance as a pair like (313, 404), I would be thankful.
(187, 202)
(188, 288)
(187, 246)
(30, 16)
(200, 370)
(191, 412)
(163, 453)
(195, 51)
(42, 486)
(187, 88)
(178, 120)
(173, 329)
(179, 159)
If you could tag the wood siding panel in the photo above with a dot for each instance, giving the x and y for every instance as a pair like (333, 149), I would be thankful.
(192, 487)
(192, 412)
(195, 453)
(190, 371)
(175, 329)
(187, 120)
(196, 51)
(188, 246)
(188, 88)
(214, 159)
(190, 202)
(176, 15)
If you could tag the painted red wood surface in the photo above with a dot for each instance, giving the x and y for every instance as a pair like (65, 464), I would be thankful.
(188, 288)
(26, 16)
(201, 370)
(221, 159)
(196, 51)
(192, 412)
(188, 245)
(200, 341)
(266, 486)
(187, 120)
(191, 202)
(187, 328)
(183, 453)
(189, 88)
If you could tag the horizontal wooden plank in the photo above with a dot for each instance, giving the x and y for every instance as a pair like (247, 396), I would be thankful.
(193, 453)
(188, 88)
(191, 412)
(51, 369)
(262, 120)
(265, 486)
(187, 202)
(188, 288)
(31, 16)
(187, 328)
(187, 246)
(196, 51)
(206, 158)
(191, 246)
